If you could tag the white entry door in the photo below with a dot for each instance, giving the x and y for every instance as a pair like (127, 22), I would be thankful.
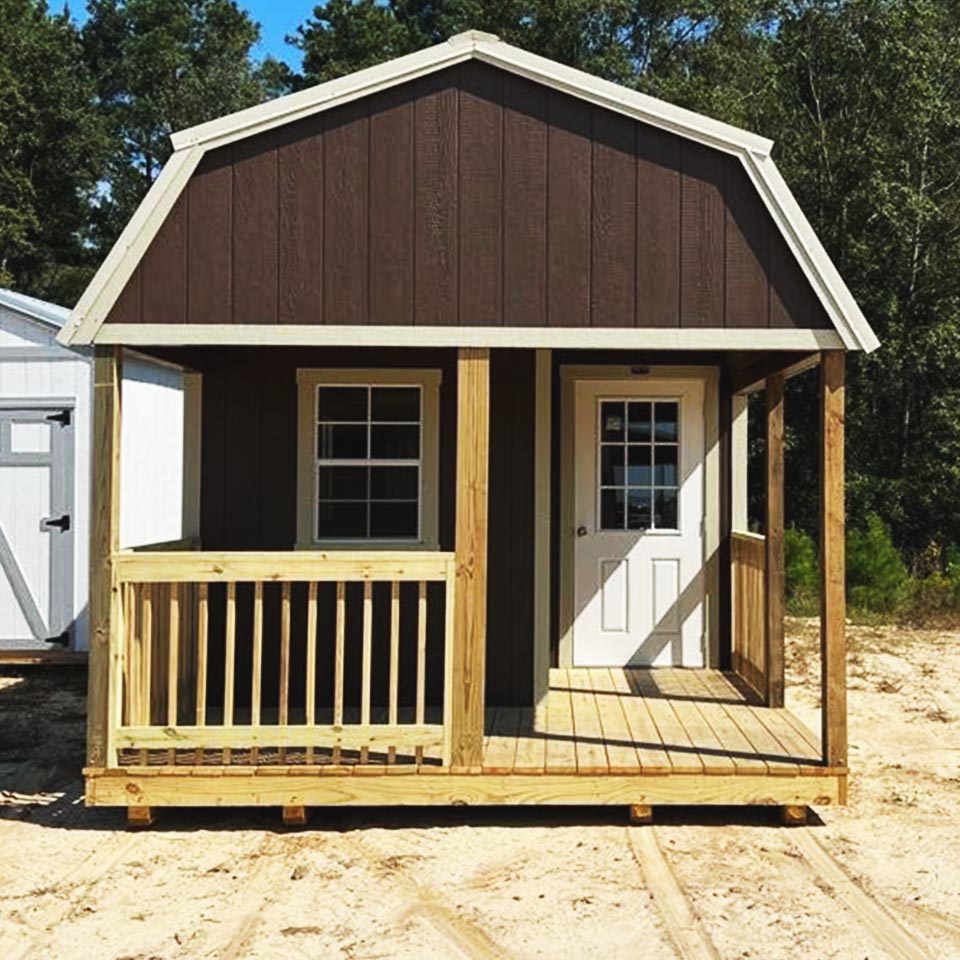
(638, 494)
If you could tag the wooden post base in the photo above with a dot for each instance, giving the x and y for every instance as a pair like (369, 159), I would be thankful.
(141, 816)
(641, 813)
(295, 816)
(793, 816)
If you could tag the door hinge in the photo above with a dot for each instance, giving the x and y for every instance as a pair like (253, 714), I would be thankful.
(63, 418)
(61, 640)
(63, 522)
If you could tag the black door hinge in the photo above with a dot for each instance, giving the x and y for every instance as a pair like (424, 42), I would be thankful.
(62, 522)
(62, 640)
(63, 418)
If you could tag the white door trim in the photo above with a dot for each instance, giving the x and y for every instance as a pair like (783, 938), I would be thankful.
(569, 376)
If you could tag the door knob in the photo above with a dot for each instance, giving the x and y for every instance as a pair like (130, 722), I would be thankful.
(581, 531)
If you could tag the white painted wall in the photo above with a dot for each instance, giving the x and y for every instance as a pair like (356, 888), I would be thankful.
(152, 443)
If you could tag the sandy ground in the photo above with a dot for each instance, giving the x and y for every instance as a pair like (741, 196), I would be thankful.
(878, 878)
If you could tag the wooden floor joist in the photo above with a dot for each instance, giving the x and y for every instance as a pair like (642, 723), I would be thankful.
(295, 816)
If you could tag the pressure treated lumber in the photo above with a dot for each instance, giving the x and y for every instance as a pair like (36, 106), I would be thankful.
(104, 542)
(774, 587)
(832, 582)
(141, 816)
(793, 816)
(470, 604)
(295, 816)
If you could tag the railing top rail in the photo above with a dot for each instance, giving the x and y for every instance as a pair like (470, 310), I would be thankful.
(748, 535)
(290, 565)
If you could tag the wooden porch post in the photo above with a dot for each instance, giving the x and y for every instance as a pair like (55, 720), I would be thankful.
(104, 542)
(470, 605)
(832, 580)
(774, 587)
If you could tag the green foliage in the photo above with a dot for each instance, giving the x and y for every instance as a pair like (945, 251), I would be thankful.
(52, 145)
(802, 571)
(162, 65)
(877, 579)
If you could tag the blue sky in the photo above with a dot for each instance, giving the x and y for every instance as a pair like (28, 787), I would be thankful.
(277, 18)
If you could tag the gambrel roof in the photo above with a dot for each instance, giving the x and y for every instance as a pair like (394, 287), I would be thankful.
(753, 153)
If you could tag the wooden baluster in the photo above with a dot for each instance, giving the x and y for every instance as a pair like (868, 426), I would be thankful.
(367, 658)
(284, 718)
(310, 694)
(394, 661)
(421, 661)
(257, 671)
(338, 664)
(202, 633)
(131, 662)
(229, 662)
(146, 650)
(173, 662)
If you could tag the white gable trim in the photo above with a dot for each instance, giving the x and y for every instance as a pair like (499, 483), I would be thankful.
(48, 314)
(190, 145)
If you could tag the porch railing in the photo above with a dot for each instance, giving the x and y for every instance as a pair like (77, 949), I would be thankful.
(186, 623)
(749, 558)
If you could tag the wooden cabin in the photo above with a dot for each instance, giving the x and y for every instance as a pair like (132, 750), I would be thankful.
(474, 332)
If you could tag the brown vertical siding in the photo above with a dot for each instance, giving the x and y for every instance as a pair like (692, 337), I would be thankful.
(300, 246)
(248, 489)
(471, 197)
(391, 217)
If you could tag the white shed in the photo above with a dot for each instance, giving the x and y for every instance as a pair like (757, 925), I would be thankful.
(45, 442)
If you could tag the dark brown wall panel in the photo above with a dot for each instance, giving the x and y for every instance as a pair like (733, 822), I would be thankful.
(163, 271)
(255, 215)
(658, 228)
(569, 200)
(345, 238)
(613, 276)
(702, 238)
(391, 208)
(437, 201)
(300, 249)
(481, 199)
(747, 253)
(524, 203)
(471, 197)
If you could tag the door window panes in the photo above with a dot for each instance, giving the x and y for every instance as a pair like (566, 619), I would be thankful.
(368, 462)
(638, 464)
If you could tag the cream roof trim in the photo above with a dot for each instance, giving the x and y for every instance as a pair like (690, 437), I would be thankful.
(190, 145)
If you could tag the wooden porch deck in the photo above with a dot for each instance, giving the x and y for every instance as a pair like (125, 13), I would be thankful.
(634, 736)
(640, 721)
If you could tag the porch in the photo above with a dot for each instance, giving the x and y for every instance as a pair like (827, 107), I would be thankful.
(317, 676)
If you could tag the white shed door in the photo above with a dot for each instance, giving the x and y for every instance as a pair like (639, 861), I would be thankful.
(638, 567)
(36, 526)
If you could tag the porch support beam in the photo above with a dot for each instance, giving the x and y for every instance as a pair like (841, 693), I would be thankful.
(832, 598)
(104, 543)
(470, 605)
(774, 591)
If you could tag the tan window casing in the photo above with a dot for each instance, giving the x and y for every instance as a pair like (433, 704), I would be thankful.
(307, 383)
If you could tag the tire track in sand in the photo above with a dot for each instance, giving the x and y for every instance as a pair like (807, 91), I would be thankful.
(684, 928)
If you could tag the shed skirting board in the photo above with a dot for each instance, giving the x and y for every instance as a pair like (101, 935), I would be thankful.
(622, 338)
(403, 786)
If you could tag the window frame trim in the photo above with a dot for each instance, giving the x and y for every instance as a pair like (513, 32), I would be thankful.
(308, 380)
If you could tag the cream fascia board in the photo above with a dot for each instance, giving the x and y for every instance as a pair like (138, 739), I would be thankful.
(621, 338)
(107, 284)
